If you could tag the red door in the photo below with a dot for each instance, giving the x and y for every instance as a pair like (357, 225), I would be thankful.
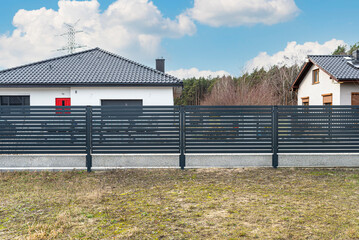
(63, 102)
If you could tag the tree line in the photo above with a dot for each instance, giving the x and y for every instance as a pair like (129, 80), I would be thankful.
(344, 50)
(261, 87)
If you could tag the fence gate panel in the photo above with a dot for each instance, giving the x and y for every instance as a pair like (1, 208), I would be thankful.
(228, 129)
(318, 129)
(135, 129)
(42, 130)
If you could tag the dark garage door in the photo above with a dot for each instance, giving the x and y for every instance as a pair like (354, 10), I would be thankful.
(121, 102)
(135, 111)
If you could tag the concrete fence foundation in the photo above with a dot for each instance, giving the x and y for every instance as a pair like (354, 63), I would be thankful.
(103, 162)
(319, 160)
(228, 160)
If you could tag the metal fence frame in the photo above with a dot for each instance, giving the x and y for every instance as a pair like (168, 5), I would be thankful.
(179, 130)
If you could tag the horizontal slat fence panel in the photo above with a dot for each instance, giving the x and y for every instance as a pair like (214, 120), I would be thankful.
(42, 130)
(179, 130)
(228, 129)
(318, 129)
(134, 129)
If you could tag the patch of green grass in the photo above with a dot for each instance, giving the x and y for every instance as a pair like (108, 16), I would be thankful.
(172, 204)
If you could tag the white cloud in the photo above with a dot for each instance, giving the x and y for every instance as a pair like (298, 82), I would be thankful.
(132, 28)
(293, 54)
(194, 72)
(242, 12)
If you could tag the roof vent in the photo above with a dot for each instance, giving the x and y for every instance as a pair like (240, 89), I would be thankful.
(354, 60)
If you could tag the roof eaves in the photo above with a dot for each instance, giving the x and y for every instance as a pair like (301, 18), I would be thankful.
(348, 79)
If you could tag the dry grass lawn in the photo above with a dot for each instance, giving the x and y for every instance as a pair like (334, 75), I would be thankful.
(175, 204)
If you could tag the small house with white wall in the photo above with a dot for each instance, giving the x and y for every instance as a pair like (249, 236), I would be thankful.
(94, 77)
(328, 80)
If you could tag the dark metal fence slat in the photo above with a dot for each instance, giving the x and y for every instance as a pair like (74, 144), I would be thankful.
(275, 137)
(182, 139)
(88, 138)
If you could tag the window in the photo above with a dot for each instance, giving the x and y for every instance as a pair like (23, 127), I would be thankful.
(315, 76)
(14, 100)
(327, 99)
(305, 101)
(355, 98)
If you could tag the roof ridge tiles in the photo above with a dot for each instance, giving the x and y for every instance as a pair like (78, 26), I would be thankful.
(318, 55)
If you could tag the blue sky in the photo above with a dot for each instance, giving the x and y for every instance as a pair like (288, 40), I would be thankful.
(207, 47)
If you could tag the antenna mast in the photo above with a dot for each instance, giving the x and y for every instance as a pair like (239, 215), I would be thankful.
(71, 39)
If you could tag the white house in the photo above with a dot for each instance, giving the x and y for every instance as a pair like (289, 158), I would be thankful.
(93, 77)
(328, 80)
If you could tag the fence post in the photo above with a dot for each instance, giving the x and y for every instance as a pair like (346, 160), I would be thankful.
(182, 158)
(88, 138)
(275, 137)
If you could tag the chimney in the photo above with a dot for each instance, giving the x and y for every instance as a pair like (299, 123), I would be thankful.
(356, 55)
(160, 65)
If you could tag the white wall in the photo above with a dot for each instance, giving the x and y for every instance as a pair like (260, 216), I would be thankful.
(149, 95)
(315, 91)
(346, 90)
(38, 96)
(82, 96)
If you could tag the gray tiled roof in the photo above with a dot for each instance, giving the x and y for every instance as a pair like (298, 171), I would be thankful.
(94, 67)
(337, 66)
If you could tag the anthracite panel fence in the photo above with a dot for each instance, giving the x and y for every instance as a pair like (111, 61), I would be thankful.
(179, 130)
(135, 130)
(42, 130)
(318, 129)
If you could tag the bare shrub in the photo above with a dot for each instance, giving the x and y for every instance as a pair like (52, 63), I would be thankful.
(259, 88)
(224, 92)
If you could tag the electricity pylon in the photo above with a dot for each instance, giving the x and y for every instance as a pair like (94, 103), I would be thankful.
(71, 39)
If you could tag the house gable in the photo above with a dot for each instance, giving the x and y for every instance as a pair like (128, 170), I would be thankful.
(338, 75)
(339, 68)
(326, 85)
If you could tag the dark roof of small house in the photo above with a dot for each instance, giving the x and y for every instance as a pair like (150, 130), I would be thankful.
(338, 67)
(94, 67)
